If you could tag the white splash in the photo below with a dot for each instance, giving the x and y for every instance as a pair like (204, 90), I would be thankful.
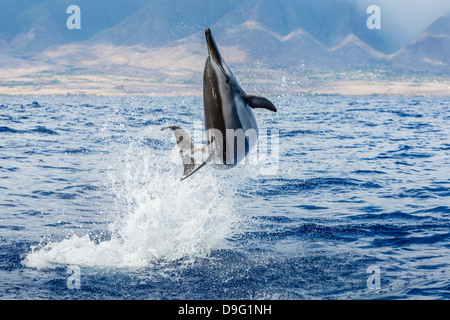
(161, 218)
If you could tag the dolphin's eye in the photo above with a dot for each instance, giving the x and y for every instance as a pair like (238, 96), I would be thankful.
(227, 80)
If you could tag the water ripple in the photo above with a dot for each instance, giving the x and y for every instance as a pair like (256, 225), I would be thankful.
(361, 181)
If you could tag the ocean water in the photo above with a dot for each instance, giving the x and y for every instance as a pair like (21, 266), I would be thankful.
(356, 205)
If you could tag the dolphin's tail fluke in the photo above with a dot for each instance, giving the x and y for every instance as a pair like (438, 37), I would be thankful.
(187, 151)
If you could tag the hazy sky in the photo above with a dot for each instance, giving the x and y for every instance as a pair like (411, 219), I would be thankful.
(409, 16)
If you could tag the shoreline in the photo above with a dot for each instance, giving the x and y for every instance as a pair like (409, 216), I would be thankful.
(110, 87)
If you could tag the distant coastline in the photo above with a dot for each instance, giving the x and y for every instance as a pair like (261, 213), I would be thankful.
(101, 85)
(157, 48)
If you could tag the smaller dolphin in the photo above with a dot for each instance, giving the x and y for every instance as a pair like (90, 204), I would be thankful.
(231, 128)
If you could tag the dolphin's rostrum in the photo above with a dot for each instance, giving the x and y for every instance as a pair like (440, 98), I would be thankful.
(231, 129)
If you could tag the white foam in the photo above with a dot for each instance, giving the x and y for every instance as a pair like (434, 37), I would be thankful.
(160, 217)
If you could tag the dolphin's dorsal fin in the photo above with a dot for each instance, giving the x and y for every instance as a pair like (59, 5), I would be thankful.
(187, 150)
(259, 102)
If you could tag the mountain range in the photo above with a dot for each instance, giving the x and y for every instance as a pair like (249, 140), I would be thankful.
(156, 36)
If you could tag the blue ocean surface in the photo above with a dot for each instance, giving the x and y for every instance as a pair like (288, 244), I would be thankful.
(351, 202)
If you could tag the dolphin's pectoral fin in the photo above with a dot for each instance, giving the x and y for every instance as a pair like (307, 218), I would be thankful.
(187, 151)
(259, 102)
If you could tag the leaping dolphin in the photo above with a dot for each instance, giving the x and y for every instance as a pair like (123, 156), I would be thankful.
(231, 129)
